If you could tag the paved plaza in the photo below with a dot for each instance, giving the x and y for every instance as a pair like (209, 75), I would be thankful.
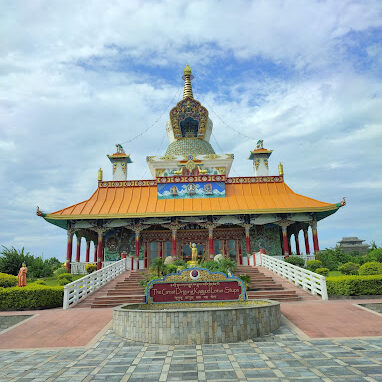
(284, 356)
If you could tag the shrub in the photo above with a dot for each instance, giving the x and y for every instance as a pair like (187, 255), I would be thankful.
(63, 281)
(322, 271)
(7, 281)
(349, 268)
(222, 265)
(31, 297)
(60, 271)
(374, 255)
(295, 260)
(246, 280)
(370, 268)
(354, 285)
(67, 276)
(40, 282)
(332, 258)
(313, 265)
(90, 268)
(179, 263)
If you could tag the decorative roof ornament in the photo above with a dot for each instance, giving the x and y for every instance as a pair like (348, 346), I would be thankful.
(259, 144)
(187, 77)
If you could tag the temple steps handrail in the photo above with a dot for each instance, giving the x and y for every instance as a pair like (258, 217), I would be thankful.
(78, 290)
(309, 281)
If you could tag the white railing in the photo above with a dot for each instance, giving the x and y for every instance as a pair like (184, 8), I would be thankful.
(78, 268)
(78, 290)
(308, 280)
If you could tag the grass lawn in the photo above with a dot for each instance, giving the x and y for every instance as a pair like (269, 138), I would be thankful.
(52, 281)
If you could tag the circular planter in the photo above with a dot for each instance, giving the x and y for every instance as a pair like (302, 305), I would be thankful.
(196, 325)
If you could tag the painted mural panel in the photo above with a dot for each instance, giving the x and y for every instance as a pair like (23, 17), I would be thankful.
(191, 190)
(267, 237)
(117, 241)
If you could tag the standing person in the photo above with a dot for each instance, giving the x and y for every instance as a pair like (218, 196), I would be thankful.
(23, 276)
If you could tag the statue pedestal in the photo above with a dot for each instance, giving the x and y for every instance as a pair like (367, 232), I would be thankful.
(193, 263)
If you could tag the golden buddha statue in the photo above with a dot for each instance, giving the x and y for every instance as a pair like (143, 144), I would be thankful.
(194, 254)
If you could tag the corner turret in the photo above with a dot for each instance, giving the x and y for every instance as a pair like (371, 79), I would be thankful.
(119, 160)
(260, 157)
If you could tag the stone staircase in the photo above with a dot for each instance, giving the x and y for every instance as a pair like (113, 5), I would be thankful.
(122, 290)
(262, 286)
(126, 289)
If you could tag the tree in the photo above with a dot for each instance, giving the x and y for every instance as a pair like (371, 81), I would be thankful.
(11, 260)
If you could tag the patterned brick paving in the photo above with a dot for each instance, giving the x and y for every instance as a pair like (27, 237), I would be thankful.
(279, 357)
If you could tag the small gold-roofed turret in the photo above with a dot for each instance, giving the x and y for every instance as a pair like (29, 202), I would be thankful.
(187, 92)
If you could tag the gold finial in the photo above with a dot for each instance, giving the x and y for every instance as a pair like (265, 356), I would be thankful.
(187, 70)
(281, 169)
(100, 174)
(187, 92)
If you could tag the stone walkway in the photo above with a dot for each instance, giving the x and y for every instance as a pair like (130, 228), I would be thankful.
(283, 356)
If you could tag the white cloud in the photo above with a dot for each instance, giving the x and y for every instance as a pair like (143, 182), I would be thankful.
(78, 77)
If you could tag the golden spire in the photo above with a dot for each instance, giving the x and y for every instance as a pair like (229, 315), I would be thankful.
(187, 92)
(281, 169)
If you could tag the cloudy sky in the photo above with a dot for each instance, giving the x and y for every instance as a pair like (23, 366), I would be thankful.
(79, 76)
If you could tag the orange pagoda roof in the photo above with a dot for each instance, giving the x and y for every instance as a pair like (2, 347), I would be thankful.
(141, 201)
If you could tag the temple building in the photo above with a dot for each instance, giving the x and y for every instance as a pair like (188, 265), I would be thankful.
(353, 244)
(191, 198)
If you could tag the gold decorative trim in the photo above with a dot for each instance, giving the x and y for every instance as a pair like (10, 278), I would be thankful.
(255, 179)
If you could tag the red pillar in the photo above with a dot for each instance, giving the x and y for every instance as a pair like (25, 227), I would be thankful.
(297, 243)
(306, 238)
(69, 249)
(100, 250)
(87, 258)
(315, 237)
(285, 241)
(95, 252)
(247, 241)
(211, 242)
(145, 260)
(289, 246)
(173, 249)
(240, 254)
(137, 247)
(160, 243)
(78, 253)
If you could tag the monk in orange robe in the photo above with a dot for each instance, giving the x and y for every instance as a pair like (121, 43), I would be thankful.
(22, 276)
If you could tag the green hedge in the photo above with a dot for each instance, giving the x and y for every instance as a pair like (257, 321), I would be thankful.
(67, 276)
(354, 285)
(295, 260)
(7, 281)
(370, 268)
(31, 297)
